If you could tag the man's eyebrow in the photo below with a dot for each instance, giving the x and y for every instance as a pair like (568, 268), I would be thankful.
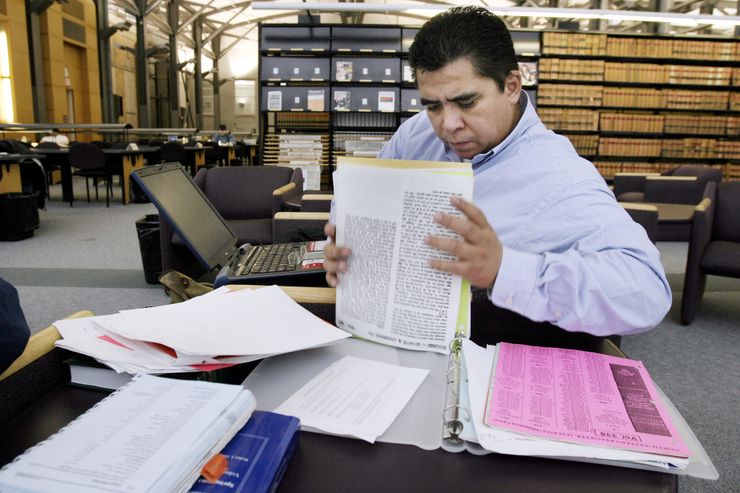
(460, 97)
(464, 97)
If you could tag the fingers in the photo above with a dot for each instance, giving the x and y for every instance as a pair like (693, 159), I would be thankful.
(478, 250)
(472, 212)
(453, 247)
(467, 226)
(335, 260)
(331, 231)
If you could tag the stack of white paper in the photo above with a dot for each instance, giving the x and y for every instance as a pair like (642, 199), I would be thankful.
(223, 327)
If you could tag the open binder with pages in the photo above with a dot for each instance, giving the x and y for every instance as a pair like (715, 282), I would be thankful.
(585, 406)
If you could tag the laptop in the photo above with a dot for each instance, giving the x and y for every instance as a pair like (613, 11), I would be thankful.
(208, 237)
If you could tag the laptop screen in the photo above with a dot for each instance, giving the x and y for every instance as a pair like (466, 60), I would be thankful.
(192, 215)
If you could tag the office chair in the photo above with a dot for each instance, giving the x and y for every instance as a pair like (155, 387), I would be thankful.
(646, 215)
(173, 152)
(714, 247)
(89, 161)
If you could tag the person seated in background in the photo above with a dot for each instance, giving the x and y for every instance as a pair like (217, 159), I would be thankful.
(223, 136)
(14, 331)
(55, 136)
(544, 235)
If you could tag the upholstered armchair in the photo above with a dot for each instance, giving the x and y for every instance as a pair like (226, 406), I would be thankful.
(247, 197)
(714, 247)
(646, 215)
(681, 185)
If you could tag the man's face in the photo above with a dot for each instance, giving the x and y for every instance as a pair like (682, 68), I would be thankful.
(469, 112)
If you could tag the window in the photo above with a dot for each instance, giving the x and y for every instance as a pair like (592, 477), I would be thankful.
(244, 97)
(7, 113)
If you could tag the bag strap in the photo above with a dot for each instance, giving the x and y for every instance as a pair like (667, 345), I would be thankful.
(181, 287)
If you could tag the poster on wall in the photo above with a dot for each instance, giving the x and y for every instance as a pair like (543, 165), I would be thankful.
(344, 71)
(274, 101)
(315, 100)
(386, 101)
(342, 100)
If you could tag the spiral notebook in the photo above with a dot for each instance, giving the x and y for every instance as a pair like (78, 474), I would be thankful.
(151, 435)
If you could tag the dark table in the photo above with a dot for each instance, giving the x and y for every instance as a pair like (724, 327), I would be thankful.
(130, 160)
(329, 463)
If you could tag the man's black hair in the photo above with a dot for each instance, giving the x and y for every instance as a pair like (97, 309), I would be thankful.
(465, 32)
(222, 127)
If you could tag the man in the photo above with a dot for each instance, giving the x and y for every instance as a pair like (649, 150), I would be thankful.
(223, 136)
(14, 330)
(545, 237)
(55, 136)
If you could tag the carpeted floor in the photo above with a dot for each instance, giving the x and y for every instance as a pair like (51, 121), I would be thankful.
(88, 257)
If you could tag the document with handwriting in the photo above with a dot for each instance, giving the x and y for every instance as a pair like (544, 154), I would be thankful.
(389, 293)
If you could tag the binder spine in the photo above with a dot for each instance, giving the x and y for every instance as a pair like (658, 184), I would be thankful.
(455, 414)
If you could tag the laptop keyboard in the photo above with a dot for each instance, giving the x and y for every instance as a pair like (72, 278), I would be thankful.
(270, 258)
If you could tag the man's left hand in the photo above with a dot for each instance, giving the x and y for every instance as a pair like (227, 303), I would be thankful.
(479, 250)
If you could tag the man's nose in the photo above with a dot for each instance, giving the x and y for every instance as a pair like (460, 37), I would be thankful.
(452, 120)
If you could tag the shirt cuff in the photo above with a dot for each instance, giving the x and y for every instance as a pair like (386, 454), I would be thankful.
(515, 280)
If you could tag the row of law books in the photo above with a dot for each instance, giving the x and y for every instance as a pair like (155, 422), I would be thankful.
(695, 148)
(638, 47)
(635, 97)
(599, 70)
(563, 119)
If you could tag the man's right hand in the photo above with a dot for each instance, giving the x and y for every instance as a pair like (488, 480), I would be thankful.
(335, 257)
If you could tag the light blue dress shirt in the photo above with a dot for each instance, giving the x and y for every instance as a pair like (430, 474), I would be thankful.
(223, 138)
(572, 255)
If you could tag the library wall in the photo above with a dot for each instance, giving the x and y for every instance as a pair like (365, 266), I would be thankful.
(123, 74)
(70, 58)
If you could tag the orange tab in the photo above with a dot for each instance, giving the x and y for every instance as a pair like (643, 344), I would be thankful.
(215, 468)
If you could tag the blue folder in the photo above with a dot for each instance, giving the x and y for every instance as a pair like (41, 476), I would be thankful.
(257, 455)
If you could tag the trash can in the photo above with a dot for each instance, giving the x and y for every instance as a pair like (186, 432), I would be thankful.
(147, 228)
(19, 215)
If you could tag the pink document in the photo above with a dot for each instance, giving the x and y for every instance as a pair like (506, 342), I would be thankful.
(581, 397)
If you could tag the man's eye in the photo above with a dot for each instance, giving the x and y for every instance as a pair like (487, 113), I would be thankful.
(433, 107)
(467, 103)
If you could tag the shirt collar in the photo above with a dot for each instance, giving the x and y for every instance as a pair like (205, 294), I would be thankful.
(528, 118)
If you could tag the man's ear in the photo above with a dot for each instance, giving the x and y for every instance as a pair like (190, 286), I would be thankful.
(513, 86)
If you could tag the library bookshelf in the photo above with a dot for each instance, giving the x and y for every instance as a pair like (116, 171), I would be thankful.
(637, 103)
(633, 103)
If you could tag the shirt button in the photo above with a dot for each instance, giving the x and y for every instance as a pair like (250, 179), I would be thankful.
(509, 301)
(558, 314)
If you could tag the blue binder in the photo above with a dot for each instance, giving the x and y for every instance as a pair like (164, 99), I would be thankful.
(258, 455)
